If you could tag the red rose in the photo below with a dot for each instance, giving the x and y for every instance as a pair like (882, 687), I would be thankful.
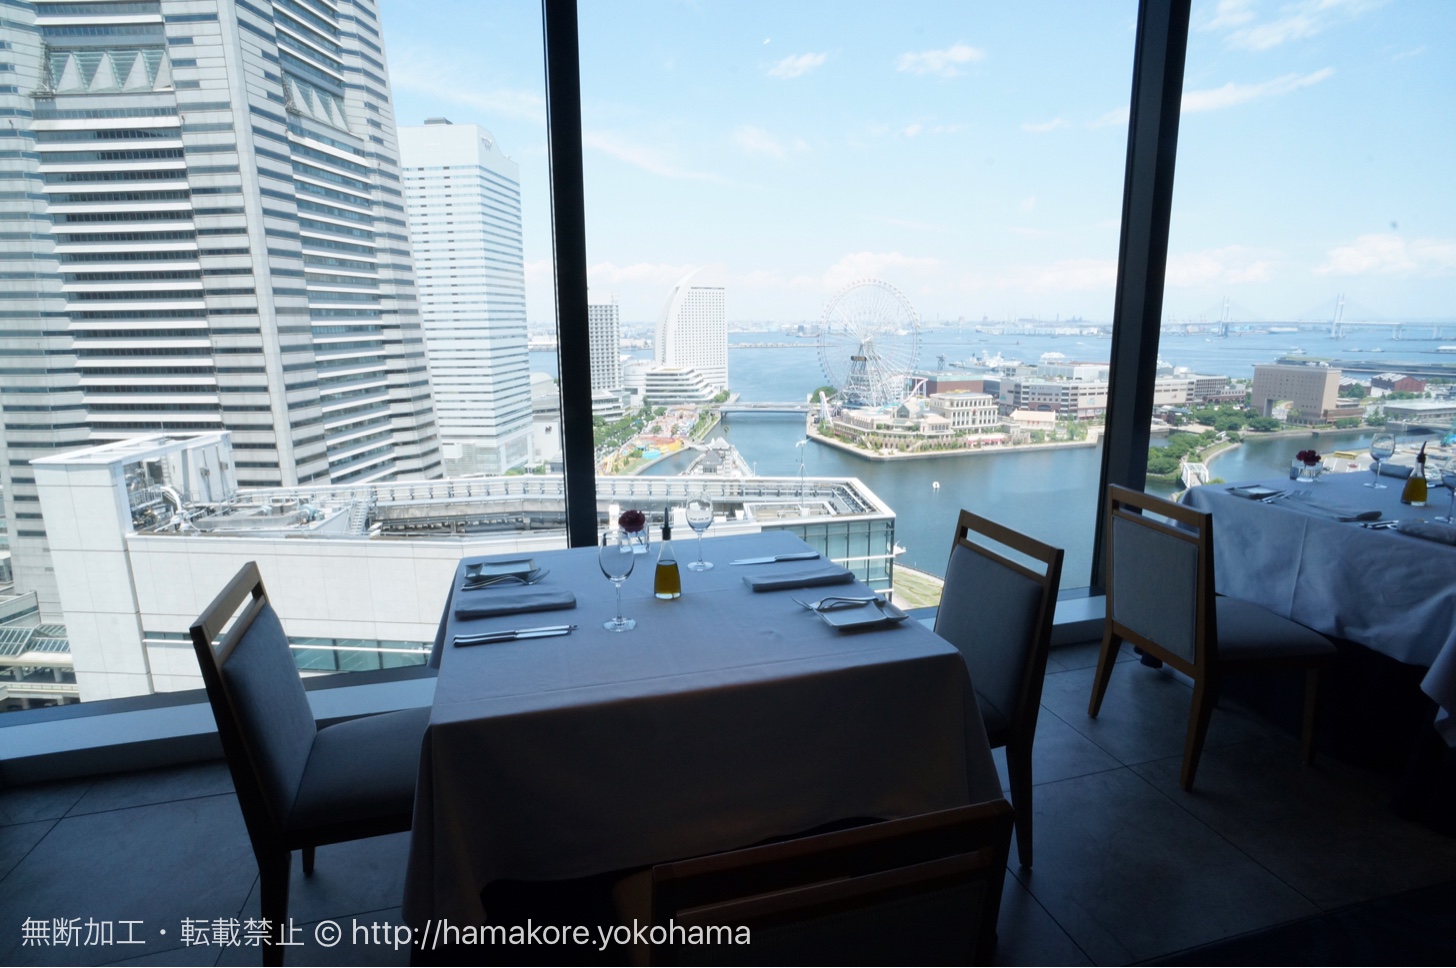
(1308, 457)
(632, 521)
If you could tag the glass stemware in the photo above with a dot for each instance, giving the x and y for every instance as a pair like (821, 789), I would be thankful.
(1448, 477)
(1382, 446)
(616, 558)
(699, 512)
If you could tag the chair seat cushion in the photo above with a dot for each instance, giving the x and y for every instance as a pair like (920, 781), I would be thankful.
(1250, 632)
(361, 772)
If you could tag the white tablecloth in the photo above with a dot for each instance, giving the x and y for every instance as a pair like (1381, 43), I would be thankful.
(1387, 591)
(726, 717)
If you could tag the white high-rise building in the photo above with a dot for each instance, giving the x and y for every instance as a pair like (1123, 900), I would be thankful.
(604, 327)
(464, 202)
(692, 330)
(205, 232)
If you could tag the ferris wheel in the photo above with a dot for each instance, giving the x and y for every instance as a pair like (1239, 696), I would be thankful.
(869, 338)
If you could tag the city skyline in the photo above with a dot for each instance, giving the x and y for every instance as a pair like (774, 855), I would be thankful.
(971, 160)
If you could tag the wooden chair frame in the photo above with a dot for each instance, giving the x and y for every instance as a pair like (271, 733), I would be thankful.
(272, 842)
(1021, 731)
(842, 871)
(1208, 667)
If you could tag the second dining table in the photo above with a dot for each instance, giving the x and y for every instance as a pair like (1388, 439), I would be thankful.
(724, 718)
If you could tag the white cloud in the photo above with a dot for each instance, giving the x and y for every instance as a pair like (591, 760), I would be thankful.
(1041, 127)
(1391, 255)
(911, 130)
(1231, 264)
(1117, 116)
(1413, 52)
(797, 65)
(643, 156)
(1028, 204)
(757, 141)
(876, 265)
(773, 279)
(907, 223)
(1074, 274)
(1295, 21)
(608, 275)
(945, 63)
(418, 70)
(1214, 99)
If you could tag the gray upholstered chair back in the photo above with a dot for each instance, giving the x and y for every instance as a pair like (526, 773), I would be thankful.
(989, 612)
(1154, 579)
(272, 710)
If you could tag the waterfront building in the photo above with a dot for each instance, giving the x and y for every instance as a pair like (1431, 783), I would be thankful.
(464, 201)
(1311, 391)
(966, 411)
(692, 329)
(207, 234)
(676, 384)
(604, 326)
(147, 530)
(1397, 383)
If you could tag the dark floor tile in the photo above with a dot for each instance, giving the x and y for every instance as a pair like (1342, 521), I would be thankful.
(349, 940)
(40, 801)
(1059, 753)
(1324, 830)
(1028, 935)
(1081, 655)
(1144, 715)
(155, 786)
(348, 878)
(17, 840)
(1129, 875)
(157, 864)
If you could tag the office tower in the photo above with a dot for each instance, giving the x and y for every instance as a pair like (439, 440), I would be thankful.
(204, 231)
(464, 202)
(1312, 391)
(692, 330)
(604, 326)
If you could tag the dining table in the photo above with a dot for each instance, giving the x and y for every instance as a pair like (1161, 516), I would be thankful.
(1347, 559)
(726, 717)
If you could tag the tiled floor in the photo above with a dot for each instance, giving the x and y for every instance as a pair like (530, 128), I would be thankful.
(1129, 868)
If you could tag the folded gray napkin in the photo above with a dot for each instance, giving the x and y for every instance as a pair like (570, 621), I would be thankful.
(485, 602)
(1387, 469)
(1334, 511)
(822, 574)
(1433, 530)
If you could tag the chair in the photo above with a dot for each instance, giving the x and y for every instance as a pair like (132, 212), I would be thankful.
(998, 613)
(1160, 597)
(925, 889)
(298, 786)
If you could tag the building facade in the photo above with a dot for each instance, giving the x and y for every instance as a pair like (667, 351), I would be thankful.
(204, 231)
(604, 323)
(692, 329)
(1310, 390)
(464, 201)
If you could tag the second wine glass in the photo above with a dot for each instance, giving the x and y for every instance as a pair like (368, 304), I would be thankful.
(1382, 446)
(616, 558)
(699, 512)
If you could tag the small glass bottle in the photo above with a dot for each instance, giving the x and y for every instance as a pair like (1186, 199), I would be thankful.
(1414, 493)
(668, 581)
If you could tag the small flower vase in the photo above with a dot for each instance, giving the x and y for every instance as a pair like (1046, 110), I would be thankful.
(641, 541)
(1306, 473)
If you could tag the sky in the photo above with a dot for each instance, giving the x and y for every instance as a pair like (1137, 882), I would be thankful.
(971, 154)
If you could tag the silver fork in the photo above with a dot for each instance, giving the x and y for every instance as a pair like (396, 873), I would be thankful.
(529, 579)
(836, 601)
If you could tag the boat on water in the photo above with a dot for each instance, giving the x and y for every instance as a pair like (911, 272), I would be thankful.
(1446, 349)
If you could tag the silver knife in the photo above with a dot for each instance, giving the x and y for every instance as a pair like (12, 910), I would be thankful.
(795, 556)
(510, 635)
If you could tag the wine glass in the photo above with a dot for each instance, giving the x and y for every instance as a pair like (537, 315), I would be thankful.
(699, 511)
(616, 558)
(1448, 477)
(1382, 446)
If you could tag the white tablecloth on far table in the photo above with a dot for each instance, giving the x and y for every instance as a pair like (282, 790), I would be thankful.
(726, 717)
(1387, 591)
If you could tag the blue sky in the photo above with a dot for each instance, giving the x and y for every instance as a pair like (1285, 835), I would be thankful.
(971, 154)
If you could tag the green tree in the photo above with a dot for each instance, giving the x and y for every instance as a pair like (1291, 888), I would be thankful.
(1264, 424)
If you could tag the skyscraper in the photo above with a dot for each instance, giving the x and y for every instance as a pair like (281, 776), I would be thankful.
(464, 202)
(692, 330)
(204, 230)
(604, 324)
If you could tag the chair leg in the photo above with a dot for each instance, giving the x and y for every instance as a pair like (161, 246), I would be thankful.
(273, 871)
(1105, 661)
(1205, 698)
(308, 860)
(1018, 769)
(1311, 710)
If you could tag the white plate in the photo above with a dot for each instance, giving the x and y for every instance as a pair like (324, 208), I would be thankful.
(869, 617)
(519, 567)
